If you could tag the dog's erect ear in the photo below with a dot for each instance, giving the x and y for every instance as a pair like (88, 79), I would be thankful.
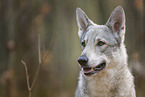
(82, 20)
(116, 23)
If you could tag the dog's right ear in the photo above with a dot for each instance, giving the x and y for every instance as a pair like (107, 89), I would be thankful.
(83, 21)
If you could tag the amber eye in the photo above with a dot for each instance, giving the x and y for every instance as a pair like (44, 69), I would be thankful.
(101, 43)
(83, 43)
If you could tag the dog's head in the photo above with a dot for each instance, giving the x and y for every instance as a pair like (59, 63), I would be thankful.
(101, 44)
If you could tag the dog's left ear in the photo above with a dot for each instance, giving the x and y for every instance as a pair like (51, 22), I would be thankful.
(116, 23)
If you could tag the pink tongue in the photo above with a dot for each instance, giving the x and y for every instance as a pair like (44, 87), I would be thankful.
(87, 70)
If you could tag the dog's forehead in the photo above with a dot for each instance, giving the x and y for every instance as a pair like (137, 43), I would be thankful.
(98, 31)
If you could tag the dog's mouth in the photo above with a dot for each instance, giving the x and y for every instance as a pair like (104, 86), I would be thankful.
(93, 70)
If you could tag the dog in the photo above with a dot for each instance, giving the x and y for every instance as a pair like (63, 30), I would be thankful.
(103, 61)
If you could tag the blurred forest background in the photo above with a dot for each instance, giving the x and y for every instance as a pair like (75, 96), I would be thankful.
(22, 20)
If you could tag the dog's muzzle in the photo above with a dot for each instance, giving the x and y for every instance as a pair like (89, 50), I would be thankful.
(93, 70)
(83, 60)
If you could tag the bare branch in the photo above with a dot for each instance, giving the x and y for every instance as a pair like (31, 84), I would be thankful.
(39, 49)
(50, 48)
(40, 60)
(38, 68)
(35, 77)
(27, 76)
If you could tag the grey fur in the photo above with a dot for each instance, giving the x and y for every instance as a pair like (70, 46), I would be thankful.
(115, 80)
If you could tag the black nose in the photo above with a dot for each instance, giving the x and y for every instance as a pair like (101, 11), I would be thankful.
(82, 60)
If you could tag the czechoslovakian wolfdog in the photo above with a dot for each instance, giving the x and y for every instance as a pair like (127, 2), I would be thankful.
(103, 61)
